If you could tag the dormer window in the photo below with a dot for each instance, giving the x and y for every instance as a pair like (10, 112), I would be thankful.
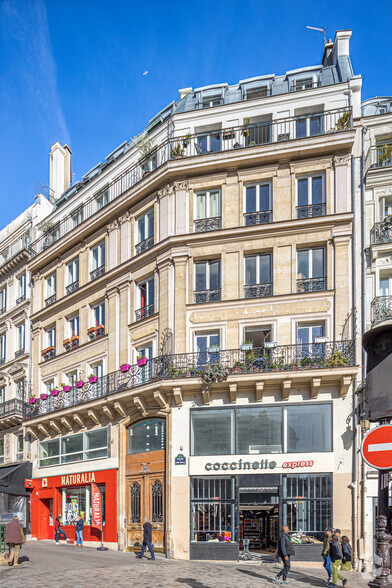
(304, 84)
(212, 101)
(255, 93)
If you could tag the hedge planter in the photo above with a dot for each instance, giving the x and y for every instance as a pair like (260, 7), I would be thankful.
(79, 384)
(54, 392)
(93, 379)
(32, 400)
(67, 388)
(142, 361)
(44, 396)
(125, 367)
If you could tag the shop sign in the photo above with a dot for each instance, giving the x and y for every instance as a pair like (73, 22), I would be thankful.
(76, 479)
(96, 507)
(180, 459)
(264, 464)
(298, 464)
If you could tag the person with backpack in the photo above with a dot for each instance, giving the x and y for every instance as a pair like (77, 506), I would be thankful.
(58, 530)
(336, 555)
(347, 554)
(14, 538)
(284, 550)
(79, 531)
(325, 553)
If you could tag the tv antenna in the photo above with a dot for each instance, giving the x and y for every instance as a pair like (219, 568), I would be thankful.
(324, 30)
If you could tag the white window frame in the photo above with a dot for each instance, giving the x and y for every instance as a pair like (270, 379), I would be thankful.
(3, 298)
(102, 198)
(207, 334)
(71, 323)
(145, 220)
(301, 82)
(51, 285)
(258, 255)
(262, 88)
(22, 285)
(51, 337)
(48, 385)
(208, 262)
(19, 384)
(19, 454)
(310, 262)
(72, 268)
(1, 449)
(207, 194)
(2, 394)
(257, 186)
(310, 191)
(77, 216)
(72, 377)
(147, 350)
(100, 307)
(310, 325)
(139, 293)
(3, 346)
(209, 101)
(21, 336)
(98, 260)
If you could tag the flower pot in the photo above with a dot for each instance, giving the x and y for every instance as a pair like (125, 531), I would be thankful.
(125, 367)
(79, 384)
(246, 346)
(213, 349)
(67, 388)
(54, 392)
(75, 338)
(32, 400)
(47, 350)
(43, 396)
(93, 379)
(142, 361)
(100, 327)
(66, 342)
(91, 330)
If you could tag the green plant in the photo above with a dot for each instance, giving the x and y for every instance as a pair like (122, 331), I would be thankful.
(337, 359)
(384, 153)
(214, 372)
(46, 226)
(177, 151)
(344, 122)
(306, 361)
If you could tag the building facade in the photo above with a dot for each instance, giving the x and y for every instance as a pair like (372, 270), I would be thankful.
(193, 341)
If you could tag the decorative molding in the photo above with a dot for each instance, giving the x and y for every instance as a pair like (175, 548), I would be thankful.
(168, 189)
(341, 159)
(383, 191)
(182, 185)
(17, 368)
(112, 226)
(124, 217)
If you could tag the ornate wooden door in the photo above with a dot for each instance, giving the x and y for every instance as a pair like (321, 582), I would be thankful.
(145, 496)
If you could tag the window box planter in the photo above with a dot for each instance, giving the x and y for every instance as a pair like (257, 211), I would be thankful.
(75, 338)
(32, 400)
(91, 330)
(214, 349)
(142, 361)
(48, 350)
(93, 379)
(54, 392)
(66, 342)
(43, 396)
(246, 346)
(100, 327)
(79, 384)
(66, 388)
(125, 367)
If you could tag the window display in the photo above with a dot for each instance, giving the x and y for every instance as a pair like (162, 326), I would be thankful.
(213, 507)
(77, 500)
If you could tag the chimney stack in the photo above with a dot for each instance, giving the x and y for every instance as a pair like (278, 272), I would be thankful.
(60, 170)
(184, 92)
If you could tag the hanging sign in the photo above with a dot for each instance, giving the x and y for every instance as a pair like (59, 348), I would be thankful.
(96, 507)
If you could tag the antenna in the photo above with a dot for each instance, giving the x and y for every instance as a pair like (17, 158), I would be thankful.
(324, 30)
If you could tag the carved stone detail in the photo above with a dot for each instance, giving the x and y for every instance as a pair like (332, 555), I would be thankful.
(183, 185)
(341, 159)
(124, 217)
(112, 226)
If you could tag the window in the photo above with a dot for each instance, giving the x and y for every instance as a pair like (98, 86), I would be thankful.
(259, 430)
(96, 444)
(307, 503)
(71, 378)
(102, 199)
(311, 270)
(48, 386)
(208, 211)
(77, 500)
(145, 371)
(303, 84)
(49, 452)
(1, 449)
(207, 281)
(77, 217)
(2, 348)
(208, 142)
(213, 509)
(258, 204)
(309, 125)
(21, 288)
(51, 337)
(309, 348)
(257, 133)
(145, 228)
(3, 300)
(19, 447)
(311, 197)
(212, 432)
(73, 326)
(97, 261)
(80, 447)
(20, 386)
(207, 347)
(258, 335)
(146, 436)
(258, 275)
(73, 275)
(50, 289)
(2, 394)
(254, 93)
(212, 101)
(99, 314)
(20, 337)
(309, 428)
(385, 287)
(145, 293)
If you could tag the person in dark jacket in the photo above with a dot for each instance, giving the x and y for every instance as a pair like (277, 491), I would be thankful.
(325, 553)
(347, 554)
(58, 530)
(147, 539)
(79, 531)
(285, 550)
(336, 558)
(14, 537)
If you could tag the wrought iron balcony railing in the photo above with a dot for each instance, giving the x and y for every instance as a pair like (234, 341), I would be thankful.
(381, 233)
(311, 210)
(49, 353)
(144, 312)
(21, 299)
(381, 309)
(379, 156)
(2, 360)
(50, 300)
(240, 137)
(144, 245)
(203, 225)
(20, 352)
(12, 407)
(311, 284)
(330, 355)
(72, 287)
(99, 271)
(3, 310)
(15, 248)
(257, 218)
(201, 296)
(257, 290)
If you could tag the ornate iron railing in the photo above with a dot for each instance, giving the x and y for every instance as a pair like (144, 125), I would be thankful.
(311, 284)
(203, 225)
(144, 245)
(2, 360)
(3, 310)
(381, 309)
(20, 352)
(201, 296)
(381, 233)
(49, 354)
(333, 354)
(379, 156)
(144, 312)
(99, 271)
(257, 218)
(244, 136)
(311, 210)
(72, 287)
(50, 300)
(15, 248)
(12, 407)
(21, 299)
(96, 332)
(257, 290)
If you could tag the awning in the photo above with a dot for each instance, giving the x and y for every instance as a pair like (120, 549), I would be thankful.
(12, 478)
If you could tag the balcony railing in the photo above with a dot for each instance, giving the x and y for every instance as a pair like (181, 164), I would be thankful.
(202, 296)
(21, 299)
(257, 218)
(330, 355)
(99, 271)
(144, 312)
(96, 332)
(48, 353)
(50, 300)
(381, 233)
(144, 245)
(3, 310)
(20, 352)
(16, 247)
(311, 284)
(72, 287)
(203, 225)
(2, 360)
(311, 210)
(379, 157)
(381, 309)
(257, 290)
(244, 136)
(12, 407)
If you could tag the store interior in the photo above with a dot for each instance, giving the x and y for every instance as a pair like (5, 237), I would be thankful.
(259, 519)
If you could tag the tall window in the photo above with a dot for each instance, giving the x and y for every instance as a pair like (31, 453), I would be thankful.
(258, 275)
(71, 378)
(208, 211)
(146, 436)
(102, 199)
(145, 231)
(80, 447)
(77, 217)
(1, 449)
(97, 260)
(207, 281)
(20, 340)
(73, 326)
(208, 142)
(50, 289)
(19, 447)
(145, 293)
(311, 270)
(20, 388)
(258, 204)
(2, 394)
(21, 288)
(2, 348)
(311, 196)
(207, 342)
(3, 300)
(73, 275)
(308, 125)
(51, 337)
(213, 509)
(307, 335)
(99, 314)
(312, 513)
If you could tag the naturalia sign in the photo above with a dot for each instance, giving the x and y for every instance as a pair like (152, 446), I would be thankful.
(96, 507)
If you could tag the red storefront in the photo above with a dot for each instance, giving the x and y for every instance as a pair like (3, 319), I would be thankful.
(69, 495)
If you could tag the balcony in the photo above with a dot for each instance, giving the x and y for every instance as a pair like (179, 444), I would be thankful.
(21, 299)
(50, 300)
(234, 362)
(379, 157)
(381, 309)
(257, 218)
(311, 284)
(12, 412)
(71, 342)
(97, 273)
(96, 332)
(203, 296)
(48, 353)
(311, 210)
(204, 225)
(72, 287)
(20, 352)
(381, 233)
(144, 245)
(177, 148)
(144, 312)
(12, 253)
(257, 290)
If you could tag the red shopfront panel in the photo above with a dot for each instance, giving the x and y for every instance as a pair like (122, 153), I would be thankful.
(47, 502)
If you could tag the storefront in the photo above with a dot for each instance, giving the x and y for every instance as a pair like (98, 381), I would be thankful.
(68, 495)
(14, 496)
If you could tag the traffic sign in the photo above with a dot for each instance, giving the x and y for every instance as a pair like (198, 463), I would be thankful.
(376, 448)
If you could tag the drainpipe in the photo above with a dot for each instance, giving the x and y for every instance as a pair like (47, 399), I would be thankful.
(355, 398)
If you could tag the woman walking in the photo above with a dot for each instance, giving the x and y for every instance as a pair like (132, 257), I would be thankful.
(79, 531)
(336, 558)
(347, 554)
(58, 530)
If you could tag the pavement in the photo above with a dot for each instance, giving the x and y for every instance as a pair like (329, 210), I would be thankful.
(44, 564)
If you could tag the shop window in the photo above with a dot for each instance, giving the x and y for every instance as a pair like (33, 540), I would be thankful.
(147, 435)
(135, 502)
(307, 503)
(19, 447)
(212, 432)
(49, 452)
(309, 428)
(77, 500)
(259, 430)
(80, 447)
(156, 502)
(213, 509)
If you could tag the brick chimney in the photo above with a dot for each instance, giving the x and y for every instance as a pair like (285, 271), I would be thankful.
(60, 169)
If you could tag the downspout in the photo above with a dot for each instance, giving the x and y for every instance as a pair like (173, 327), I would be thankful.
(355, 398)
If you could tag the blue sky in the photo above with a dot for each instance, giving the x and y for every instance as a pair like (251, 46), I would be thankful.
(72, 70)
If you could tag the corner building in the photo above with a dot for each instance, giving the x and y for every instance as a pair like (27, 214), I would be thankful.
(197, 353)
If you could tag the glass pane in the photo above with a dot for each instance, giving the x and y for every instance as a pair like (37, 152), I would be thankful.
(315, 125)
(303, 335)
(303, 263)
(215, 142)
(317, 190)
(214, 275)
(265, 269)
(48, 452)
(302, 186)
(150, 218)
(95, 453)
(214, 204)
(150, 292)
(147, 435)
(200, 276)
(259, 430)
(201, 211)
(318, 263)
(69, 458)
(202, 144)
(384, 286)
(250, 270)
(71, 444)
(251, 205)
(309, 428)
(96, 439)
(214, 340)
(211, 432)
(265, 201)
(301, 128)
(141, 229)
(202, 343)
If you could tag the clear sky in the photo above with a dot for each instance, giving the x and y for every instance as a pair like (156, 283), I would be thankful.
(72, 70)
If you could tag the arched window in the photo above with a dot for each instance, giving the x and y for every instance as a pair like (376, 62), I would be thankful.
(147, 435)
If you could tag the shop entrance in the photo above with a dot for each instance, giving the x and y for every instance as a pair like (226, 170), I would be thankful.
(45, 530)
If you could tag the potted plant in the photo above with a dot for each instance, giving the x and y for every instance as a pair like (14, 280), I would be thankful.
(246, 346)
(177, 152)
(79, 383)
(125, 367)
(66, 388)
(48, 350)
(54, 392)
(32, 400)
(186, 140)
(141, 360)
(92, 378)
(91, 330)
(237, 368)
(213, 349)
(66, 342)
(245, 128)
(100, 328)
(44, 395)
(344, 122)
(75, 338)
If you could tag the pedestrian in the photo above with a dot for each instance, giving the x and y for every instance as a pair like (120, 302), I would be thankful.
(285, 550)
(58, 530)
(336, 559)
(325, 553)
(347, 554)
(14, 537)
(147, 539)
(79, 531)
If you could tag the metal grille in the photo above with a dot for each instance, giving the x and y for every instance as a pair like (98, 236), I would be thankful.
(311, 210)
(144, 312)
(381, 233)
(307, 502)
(257, 290)
(381, 309)
(202, 296)
(19, 352)
(50, 300)
(97, 272)
(204, 225)
(21, 299)
(72, 287)
(257, 218)
(156, 495)
(213, 507)
(135, 503)
(311, 284)
(144, 245)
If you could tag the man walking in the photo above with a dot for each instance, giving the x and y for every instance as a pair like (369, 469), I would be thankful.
(14, 537)
(147, 539)
(285, 550)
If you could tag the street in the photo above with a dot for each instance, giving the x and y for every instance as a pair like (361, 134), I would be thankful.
(65, 566)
